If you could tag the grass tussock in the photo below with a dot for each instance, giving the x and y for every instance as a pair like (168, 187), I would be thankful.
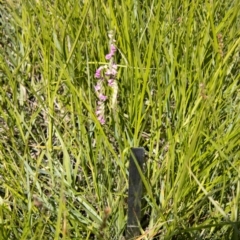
(63, 174)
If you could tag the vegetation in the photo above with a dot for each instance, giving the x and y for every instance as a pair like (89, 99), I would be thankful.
(64, 174)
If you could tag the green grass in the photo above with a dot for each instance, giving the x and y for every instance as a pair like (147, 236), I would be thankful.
(63, 175)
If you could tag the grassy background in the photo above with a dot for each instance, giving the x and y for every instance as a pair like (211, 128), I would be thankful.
(65, 176)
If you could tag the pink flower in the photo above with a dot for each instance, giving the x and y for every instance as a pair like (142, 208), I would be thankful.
(98, 112)
(101, 119)
(108, 72)
(114, 66)
(112, 72)
(110, 82)
(108, 56)
(113, 49)
(97, 87)
(102, 97)
(99, 109)
(98, 73)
